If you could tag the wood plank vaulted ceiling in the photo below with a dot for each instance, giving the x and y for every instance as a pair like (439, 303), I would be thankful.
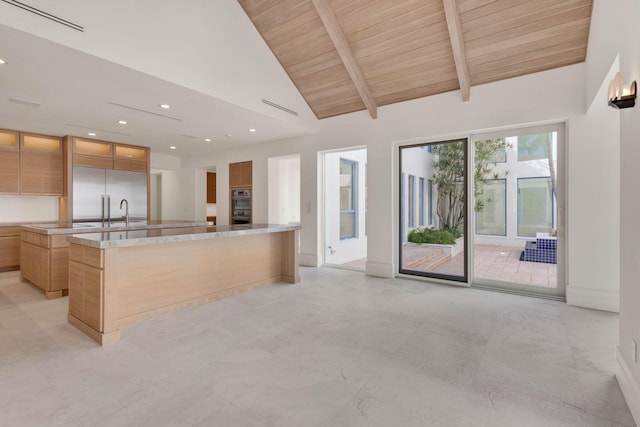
(351, 55)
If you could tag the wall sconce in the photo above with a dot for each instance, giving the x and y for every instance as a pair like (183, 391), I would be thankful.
(621, 96)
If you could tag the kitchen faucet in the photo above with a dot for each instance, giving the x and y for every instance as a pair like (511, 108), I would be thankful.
(126, 215)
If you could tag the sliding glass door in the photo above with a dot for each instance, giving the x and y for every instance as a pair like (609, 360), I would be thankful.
(518, 226)
(433, 210)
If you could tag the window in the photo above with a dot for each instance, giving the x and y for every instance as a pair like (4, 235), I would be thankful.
(491, 205)
(491, 150)
(430, 199)
(412, 201)
(421, 191)
(348, 201)
(535, 206)
(532, 147)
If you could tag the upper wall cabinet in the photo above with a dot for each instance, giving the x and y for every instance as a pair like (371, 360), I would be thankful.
(9, 162)
(92, 154)
(240, 175)
(108, 155)
(41, 171)
(130, 158)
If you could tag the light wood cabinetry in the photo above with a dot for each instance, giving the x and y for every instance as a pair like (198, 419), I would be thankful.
(109, 155)
(130, 158)
(44, 261)
(112, 288)
(92, 154)
(9, 248)
(41, 171)
(9, 162)
(211, 187)
(241, 175)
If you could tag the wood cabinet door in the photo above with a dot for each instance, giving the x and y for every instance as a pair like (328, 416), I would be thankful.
(240, 174)
(9, 252)
(41, 172)
(211, 187)
(9, 171)
(246, 172)
(51, 174)
(30, 172)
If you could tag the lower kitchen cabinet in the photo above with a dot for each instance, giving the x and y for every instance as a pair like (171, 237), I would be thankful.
(9, 248)
(44, 261)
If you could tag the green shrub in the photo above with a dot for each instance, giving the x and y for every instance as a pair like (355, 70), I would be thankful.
(429, 235)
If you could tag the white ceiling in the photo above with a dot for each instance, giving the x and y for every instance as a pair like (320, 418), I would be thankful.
(215, 77)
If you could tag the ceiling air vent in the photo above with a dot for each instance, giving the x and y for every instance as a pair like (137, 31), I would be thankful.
(279, 107)
(23, 102)
(44, 14)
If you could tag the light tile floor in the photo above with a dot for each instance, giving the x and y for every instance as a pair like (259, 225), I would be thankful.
(338, 349)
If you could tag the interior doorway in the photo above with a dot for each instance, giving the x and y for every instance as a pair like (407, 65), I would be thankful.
(155, 193)
(345, 208)
(284, 190)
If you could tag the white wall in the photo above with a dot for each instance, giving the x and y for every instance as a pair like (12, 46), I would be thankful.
(594, 205)
(550, 96)
(28, 208)
(168, 167)
(284, 190)
(628, 372)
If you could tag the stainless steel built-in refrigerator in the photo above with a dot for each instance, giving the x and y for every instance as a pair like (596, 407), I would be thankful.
(97, 194)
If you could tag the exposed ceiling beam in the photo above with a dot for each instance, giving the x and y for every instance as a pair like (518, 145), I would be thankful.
(330, 22)
(452, 14)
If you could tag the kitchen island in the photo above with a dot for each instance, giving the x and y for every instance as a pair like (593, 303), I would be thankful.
(44, 249)
(119, 278)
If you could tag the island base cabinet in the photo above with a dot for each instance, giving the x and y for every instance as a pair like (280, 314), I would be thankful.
(119, 286)
(44, 261)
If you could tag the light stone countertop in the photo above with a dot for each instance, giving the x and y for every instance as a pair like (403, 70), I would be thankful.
(23, 223)
(52, 228)
(126, 238)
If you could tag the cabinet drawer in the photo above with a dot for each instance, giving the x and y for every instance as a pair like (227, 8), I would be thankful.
(59, 242)
(36, 239)
(9, 231)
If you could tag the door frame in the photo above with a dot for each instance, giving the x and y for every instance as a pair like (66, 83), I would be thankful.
(464, 279)
(558, 293)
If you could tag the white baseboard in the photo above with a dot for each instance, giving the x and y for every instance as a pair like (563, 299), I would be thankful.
(629, 384)
(593, 298)
(308, 260)
(380, 269)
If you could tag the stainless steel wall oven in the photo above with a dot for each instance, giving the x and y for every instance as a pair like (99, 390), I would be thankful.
(241, 207)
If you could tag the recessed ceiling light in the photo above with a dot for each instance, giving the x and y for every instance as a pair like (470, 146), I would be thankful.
(173, 147)
(165, 106)
(207, 139)
(122, 122)
(228, 135)
(252, 130)
(91, 134)
(2, 61)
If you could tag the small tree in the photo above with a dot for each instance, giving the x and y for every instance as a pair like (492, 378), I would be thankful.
(448, 177)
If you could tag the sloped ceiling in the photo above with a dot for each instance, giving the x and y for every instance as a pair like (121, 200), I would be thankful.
(351, 55)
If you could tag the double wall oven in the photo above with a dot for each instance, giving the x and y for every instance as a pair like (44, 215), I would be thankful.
(241, 207)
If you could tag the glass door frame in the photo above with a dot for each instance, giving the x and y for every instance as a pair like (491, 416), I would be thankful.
(559, 292)
(451, 279)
